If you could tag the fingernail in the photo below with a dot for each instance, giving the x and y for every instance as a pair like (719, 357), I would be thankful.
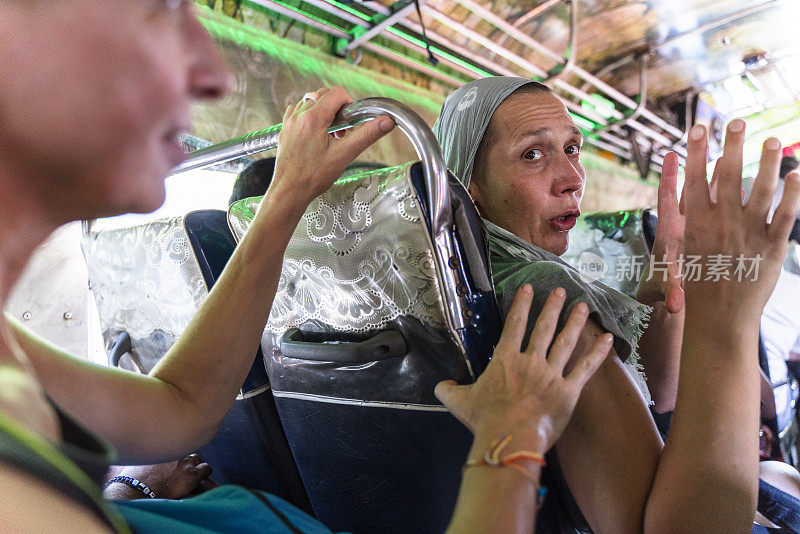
(559, 292)
(696, 133)
(772, 144)
(608, 338)
(387, 125)
(736, 125)
(527, 288)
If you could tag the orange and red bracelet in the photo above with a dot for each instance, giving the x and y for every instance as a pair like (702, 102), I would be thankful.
(491, 458)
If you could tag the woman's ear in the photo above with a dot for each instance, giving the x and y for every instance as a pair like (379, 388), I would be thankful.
(477, 196)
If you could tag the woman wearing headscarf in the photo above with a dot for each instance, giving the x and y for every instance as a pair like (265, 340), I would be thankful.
(90, 128)
(513, 144)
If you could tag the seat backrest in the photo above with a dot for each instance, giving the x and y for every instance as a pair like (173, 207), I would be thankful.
(143, 275)
(357, 339)
(146, 283)
(250, 448)
(649, 226)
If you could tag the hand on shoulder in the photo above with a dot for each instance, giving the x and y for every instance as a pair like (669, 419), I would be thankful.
(525, 393)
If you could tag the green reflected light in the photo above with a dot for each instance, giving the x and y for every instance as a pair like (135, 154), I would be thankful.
(311, 62)
(583, 122)
(599, 104)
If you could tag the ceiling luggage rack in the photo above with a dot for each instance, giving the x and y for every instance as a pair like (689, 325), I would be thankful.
(625, 122)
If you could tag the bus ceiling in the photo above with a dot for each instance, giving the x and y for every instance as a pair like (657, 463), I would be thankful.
(635, 74)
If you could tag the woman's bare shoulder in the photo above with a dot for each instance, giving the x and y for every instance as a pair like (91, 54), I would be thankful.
(30, 505)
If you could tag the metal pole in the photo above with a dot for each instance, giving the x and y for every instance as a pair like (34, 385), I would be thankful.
(354, 113)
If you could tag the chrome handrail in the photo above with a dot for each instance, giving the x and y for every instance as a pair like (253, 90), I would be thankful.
(411, 124)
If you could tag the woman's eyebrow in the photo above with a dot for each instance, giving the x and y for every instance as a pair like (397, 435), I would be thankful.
(539, 132)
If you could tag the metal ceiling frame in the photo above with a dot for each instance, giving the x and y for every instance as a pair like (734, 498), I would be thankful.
(628, 116)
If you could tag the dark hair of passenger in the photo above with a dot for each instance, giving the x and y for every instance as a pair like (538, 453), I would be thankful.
(491, 134)
(254, 180)
(788, 164)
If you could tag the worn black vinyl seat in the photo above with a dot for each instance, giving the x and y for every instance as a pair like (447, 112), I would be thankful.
(358, 338)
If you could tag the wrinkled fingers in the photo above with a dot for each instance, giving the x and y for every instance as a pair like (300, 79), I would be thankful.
(567, 339)
(545, 327)
(590, 362)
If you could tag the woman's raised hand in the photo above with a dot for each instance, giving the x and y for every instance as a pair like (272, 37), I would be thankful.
(721, 229)
(524, 393)
(309, 159)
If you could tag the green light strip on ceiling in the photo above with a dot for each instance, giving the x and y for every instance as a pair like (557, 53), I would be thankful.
(307, 14)
(412, 39)
(422, 64)
(439, 52)
(399, 33)
(345, 7)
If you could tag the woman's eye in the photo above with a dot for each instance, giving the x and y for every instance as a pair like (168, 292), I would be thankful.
(573, 150)
(533, 153)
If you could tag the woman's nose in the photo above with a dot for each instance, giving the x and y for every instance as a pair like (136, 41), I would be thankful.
(209, 75)
(570, 178)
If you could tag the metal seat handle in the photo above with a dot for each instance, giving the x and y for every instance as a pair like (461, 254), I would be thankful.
(411, 124)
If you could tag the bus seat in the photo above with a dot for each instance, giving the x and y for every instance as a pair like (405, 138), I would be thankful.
(649, 226)
(357, 340)
(146, 285)
(131, 270)
(250, 448)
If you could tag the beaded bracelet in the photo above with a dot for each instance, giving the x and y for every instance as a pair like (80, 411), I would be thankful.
(132, 482)
(491, 458)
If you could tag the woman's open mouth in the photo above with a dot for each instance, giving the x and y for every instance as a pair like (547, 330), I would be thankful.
(565, 222)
